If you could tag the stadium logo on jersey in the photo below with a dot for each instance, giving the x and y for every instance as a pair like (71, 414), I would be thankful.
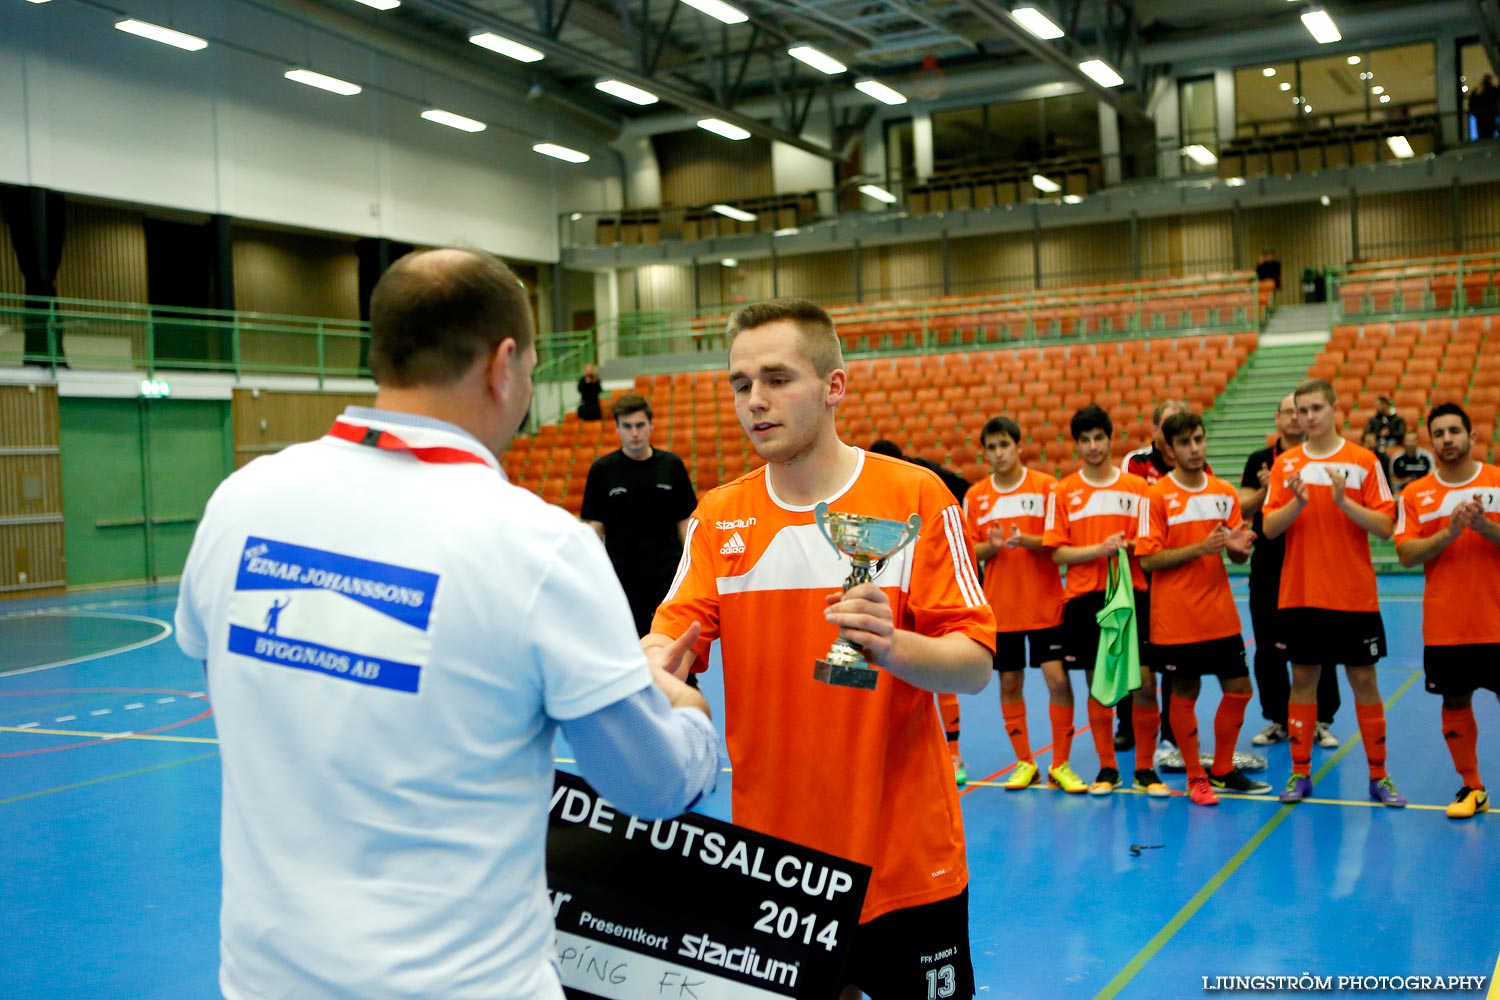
(744, 522)
(1127, 504)
(734, 547)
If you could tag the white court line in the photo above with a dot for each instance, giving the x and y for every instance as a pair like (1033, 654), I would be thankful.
(166, 630)
(65, 718)
(100, 711)
(165, 701)
(135, 705)
(28, 725)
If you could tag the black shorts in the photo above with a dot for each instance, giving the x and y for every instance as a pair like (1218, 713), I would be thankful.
(920, 951)
(1462, 670)
(1224, 658)
(1081, 629)
(1010, 648)
(1320, 637)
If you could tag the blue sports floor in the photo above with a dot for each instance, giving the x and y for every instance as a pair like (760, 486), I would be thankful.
(109, 797)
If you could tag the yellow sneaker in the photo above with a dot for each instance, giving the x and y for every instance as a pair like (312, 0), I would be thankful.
(1468, 802)
(1024, 776)
(1062, 776)
(1106, 783)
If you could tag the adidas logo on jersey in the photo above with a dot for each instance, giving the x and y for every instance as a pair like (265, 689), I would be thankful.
(735, 546)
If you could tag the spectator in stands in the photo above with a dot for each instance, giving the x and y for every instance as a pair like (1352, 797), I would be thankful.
(1387, 425)
(1484, 102)
(1411, 463)
(589, 390)
(638, 499)
(1370, 441)
(1268, 267)
(957, 485)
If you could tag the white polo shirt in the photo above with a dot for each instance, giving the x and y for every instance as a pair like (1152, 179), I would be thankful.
(390, 643)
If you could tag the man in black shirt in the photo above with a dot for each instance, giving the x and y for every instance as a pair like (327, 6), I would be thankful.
(638, 499)
(1268, 267)
(1388, 426)
(957, 485)
(1410, 465)
(1271, 677)
(590, 387)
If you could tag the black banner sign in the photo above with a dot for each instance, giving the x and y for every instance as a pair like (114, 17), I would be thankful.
(692, 907)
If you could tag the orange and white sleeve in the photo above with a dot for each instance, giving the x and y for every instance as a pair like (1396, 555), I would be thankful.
(1152, 535)
(1056, 532)
(945, 595)
(694, 594)
(1376, 494)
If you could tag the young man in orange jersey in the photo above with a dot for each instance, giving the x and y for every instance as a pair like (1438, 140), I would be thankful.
(1006, 514)
(759, 575)
(1327, 495)
(1450, 526)
(1189, 519)
(1092, 515)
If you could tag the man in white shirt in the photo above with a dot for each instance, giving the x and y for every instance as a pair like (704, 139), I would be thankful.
(387, 735)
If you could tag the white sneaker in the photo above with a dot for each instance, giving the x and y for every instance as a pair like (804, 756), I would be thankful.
(1274, 733)
(1324, 737)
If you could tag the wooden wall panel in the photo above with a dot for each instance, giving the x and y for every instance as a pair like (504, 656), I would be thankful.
(1086, 255)
(1409, 223)
(1480, 215)
(11, 281)
(1304, 235)
(1176, 246)
(660, 288)
(31, 529)
(826, 278)
(295, 274)
(267, 420)
(104, 254)
(1002, 263)
(902, 271)
(699, 168)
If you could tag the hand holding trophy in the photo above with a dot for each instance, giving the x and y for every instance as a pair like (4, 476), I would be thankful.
(867, 541)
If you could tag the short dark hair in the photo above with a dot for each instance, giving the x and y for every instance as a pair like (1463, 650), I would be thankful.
(886, 447)
(630, 403)
(434, 312)
(1180, 424)
(1000, 425)
(1321, 386)
(820, 344)
(1450, 410)
(1091, 417)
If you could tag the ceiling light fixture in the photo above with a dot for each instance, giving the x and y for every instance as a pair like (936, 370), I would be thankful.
(555, 151)
(1045, 184)
(332, 84)
(1377, 91)
(452, 120)
(879, 91)
(1034, 21)
(1400, 147)
(878, 193)
(719, 10)
(380, 4)
(719, 127)
(1285, 86)
(1385, 98)
(155, 32)
(506, 47)
(1355, 60)
(729, 262)
(1101, 73)
(626, 92)
(737, 214)
(1072, 199)
(1200, 154)
(1321, 26)
(1234, 182)
(817, 59)
(1268, 71)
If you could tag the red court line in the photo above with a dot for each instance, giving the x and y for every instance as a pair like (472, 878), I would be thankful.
(111, 739)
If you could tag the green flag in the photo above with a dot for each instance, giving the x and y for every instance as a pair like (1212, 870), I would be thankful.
(1117, 666)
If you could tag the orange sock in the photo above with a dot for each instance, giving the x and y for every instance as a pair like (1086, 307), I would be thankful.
(1062, 732)
(948, 708)
(1146, 721)
(1462, 736)
(1228, 721)
(1015, 728)
(1301, 724)
(1372, 732)
(1185, 728)
(1102, 725)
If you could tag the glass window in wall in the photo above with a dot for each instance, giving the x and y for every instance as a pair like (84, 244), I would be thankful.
(1263, 99)
(1402, 82)
(1345, 89)
(1473, 69)
(1070, 126)
(1198, 123)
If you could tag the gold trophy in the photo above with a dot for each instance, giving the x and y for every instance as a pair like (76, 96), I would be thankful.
(867, 541)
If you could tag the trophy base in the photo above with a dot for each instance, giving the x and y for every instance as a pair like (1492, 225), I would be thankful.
(846, 675)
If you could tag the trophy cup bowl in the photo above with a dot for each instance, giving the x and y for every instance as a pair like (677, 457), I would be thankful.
(866, 541)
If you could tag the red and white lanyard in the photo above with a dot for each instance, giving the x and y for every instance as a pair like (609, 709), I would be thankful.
(374, 437)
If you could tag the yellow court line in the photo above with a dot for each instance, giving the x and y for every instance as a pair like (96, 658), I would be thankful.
(1268, 797)
(1192, 906)
(1494, 993)
(112, 736)
(107, 777)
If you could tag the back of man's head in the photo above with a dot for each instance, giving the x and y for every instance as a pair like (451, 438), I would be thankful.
(434, 312)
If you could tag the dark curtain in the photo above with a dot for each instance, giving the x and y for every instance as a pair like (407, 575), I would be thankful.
(37, 221)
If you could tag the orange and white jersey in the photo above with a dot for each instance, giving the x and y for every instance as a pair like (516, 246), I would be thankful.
(1327, 562)
(754, 573)
(1190, 602)
(1080, 513)
(1461, 601)
(1023, 585)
